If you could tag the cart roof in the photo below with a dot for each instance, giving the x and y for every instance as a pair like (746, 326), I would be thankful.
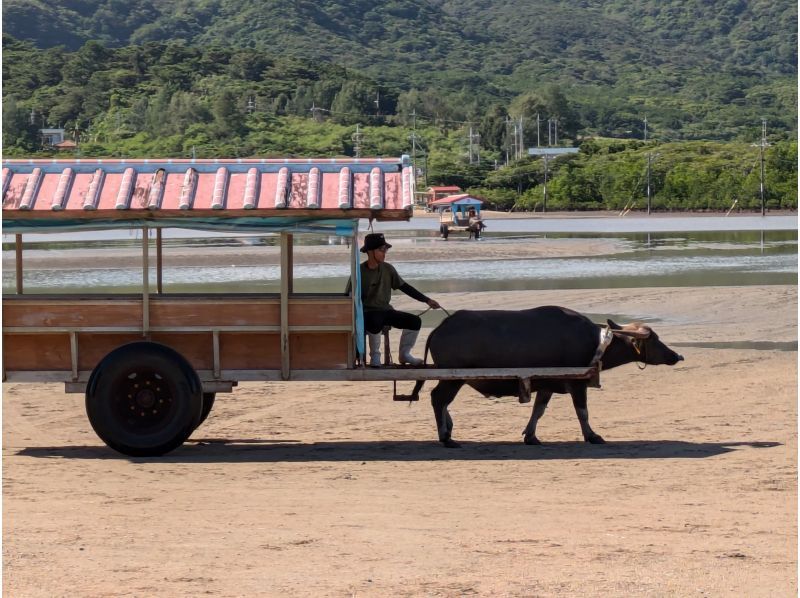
(459, 200)
(41, 195)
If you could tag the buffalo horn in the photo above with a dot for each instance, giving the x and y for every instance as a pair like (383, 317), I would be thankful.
(640, 332)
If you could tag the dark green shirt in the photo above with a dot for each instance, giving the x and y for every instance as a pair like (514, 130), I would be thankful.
(377, 285)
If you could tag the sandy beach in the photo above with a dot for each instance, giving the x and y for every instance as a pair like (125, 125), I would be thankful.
(333, 489)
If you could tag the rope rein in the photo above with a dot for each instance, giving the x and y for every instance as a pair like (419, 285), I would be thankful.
(430, 308)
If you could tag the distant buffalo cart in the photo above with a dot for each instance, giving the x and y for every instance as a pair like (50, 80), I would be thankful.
(459, 214)
(151, 363)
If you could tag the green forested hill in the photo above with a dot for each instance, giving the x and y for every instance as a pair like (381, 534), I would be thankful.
(697, 68)
(295, 77)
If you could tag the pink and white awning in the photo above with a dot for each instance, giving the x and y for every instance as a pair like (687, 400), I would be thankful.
(326, 188)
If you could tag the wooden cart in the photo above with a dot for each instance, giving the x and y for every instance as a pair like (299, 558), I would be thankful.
(459, 213)
(151, 363)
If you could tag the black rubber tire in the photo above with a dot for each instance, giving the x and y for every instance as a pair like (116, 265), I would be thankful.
(144, 399)
(208, 403)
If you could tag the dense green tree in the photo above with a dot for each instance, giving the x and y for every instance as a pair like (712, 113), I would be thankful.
(353, 102)
(493, 128)
(18, 131)
(228, 119)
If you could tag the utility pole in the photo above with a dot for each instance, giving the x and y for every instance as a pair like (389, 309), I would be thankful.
(537, 129)
(378, 103)
(544, 207)
(251, 105)
(649, 160)
(315, 112)
(414, 142)
(514, 137)
(521, 146)
(474, 137)
(357, 141)
(761, 147)
(508, 137)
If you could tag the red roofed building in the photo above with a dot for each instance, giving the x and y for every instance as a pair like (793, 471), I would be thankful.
(66, 145)
(435, 193)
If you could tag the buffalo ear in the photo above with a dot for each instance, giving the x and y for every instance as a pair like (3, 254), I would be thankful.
(613, 325)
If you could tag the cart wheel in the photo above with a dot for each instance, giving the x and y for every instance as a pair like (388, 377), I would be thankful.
(144, 399)
(445, 231)
(208, 403)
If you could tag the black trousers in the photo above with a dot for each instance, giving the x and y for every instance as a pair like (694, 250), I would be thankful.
(376, 319)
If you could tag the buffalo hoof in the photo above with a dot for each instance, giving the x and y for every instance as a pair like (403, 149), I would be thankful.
(450, 443)
(595, 439)
(532, 440)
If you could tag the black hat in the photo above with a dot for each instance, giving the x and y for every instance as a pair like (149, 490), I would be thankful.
(374, 241)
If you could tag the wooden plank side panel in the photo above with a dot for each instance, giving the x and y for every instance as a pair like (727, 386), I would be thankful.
(42, 312)
(238, 350)
(210, 313)
(196, 347)
(92, 347)
(205, 312)
(310, 351)
(40, 352)
(336, 312)
(250, 351)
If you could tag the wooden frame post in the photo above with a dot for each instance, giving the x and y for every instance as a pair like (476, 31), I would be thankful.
(159, 262)
(286, 291)
(145, 282)
(354, 266)
(18, 261)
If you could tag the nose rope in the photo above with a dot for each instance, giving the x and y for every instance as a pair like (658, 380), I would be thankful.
(641, 352)
(430, 308)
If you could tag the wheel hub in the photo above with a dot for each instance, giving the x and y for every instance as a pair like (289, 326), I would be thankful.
(145, 398)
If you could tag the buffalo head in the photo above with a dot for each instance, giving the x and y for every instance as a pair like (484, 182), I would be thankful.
(646, 344)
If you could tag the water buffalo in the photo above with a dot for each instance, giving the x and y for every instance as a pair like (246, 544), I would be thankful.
(539, 337)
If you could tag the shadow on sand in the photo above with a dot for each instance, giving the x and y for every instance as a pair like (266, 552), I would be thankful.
(238, 450)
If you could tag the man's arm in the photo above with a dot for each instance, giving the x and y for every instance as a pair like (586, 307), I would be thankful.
(415, 294)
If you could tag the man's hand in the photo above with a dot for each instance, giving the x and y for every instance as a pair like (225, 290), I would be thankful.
(434, 304)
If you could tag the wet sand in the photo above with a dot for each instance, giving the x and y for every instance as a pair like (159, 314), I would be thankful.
(312, 489)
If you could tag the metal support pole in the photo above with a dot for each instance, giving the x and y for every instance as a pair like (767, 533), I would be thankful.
(73, 350)
(216, 354)
(18, 261)
(354, 266)
(286, 289)
(145, 282)
(159, 261)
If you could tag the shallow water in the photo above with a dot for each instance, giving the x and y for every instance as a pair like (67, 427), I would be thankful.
(603, 225)
(719, 258)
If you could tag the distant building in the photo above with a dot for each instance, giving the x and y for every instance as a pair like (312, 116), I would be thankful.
(51, 136)
(435, 193)
(65, 145)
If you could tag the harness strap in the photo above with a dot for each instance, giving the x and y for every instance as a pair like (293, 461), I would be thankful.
(606, 336)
